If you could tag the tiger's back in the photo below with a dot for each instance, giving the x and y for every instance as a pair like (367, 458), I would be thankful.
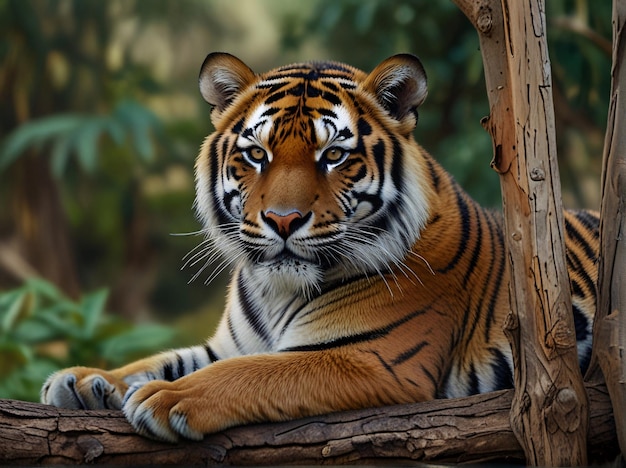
(471, 261)
(363, 275)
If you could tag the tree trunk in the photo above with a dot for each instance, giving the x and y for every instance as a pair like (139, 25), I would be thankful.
(550, 410)
(610, 324)
(467, 430)
(40, 224)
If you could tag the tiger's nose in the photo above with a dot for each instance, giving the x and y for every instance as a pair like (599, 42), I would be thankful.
(284, 224)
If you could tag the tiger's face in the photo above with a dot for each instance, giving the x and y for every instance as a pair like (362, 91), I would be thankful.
(312, 174)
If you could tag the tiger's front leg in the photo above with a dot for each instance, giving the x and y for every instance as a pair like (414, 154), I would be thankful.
(268, 387)
(89, 388)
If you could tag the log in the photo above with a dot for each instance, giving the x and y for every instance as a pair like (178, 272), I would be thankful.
(468, 430)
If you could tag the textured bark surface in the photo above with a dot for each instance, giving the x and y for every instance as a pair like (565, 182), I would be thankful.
(610, 325)
(468, 430)
(550, 409)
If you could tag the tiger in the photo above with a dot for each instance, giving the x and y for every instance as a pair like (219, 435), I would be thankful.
(362, 274)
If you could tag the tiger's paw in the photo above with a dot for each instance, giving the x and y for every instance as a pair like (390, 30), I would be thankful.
(83, 388)
(158, 411)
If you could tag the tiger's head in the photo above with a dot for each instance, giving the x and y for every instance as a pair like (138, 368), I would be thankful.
(312, 173)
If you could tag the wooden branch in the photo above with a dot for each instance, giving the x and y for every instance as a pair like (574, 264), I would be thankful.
(550, 408)
(610, 324)
(468, 430)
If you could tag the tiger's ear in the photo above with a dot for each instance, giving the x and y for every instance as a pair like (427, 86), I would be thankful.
(222, 77)
(399, 83)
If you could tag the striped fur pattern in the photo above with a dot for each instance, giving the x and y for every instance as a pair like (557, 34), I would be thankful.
(363, 275)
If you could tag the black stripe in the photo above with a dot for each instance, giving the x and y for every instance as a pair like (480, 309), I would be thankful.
(465, 232)
(210, 353)
(326, 112)
(359, 337)
(168, 372)
(409, 353)
(223, 215)
(435, 217)
(502, 373)
(477, 247)
(275, 97)
(332, 98)
(194, 362)
(238, 126)
(397, 168)
(233, 334)
(580, 240)
(142, 423)
(433, 173)
(581, 324)
(386, 365)
(430, 376)
(329, 84)
(472, 376)
(488, 279)
(181, 366)
(271, 111)
(575, 265)
(498, 242)
(378, 151)
(250, 313)
(442, 391)
(576, 288)
(589, 220)
(363, 127)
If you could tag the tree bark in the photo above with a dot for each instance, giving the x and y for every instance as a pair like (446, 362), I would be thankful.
(468, 430)
(550, 409)
(610, 324)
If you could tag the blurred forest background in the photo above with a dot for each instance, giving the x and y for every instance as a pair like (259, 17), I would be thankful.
(100, 122)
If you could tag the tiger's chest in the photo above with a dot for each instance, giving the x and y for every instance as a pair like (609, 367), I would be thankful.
(402, 321)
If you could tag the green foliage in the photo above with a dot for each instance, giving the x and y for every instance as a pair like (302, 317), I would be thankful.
(80, 135)
(42, 331)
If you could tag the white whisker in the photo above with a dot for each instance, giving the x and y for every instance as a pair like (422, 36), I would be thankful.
(416, 255)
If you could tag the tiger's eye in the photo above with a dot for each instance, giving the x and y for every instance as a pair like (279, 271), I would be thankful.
(334, 155)
(257, 154)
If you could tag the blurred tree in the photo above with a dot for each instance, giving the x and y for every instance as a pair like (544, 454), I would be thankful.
(72, 91)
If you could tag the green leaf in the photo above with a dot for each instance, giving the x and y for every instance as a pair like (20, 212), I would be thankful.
(12, 357)
(92, 307)
(45, 289)
(115, 130)
(87, 137)
(139, 121)
(63, 319)
(60, 155)
(36, 331)
(136, 342)
(35, 133)
(12, 306)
